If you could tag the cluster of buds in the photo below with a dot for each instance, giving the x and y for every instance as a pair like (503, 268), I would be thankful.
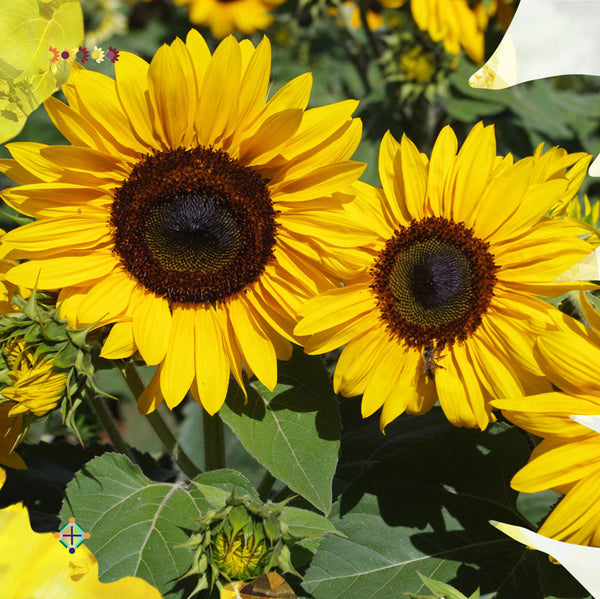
(44, 364)
(239, 542)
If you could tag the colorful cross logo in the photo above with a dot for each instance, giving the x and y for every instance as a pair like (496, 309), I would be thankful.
(71, 535)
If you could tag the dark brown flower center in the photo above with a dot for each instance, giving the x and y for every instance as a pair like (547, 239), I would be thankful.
(193, 225)
(434, 281)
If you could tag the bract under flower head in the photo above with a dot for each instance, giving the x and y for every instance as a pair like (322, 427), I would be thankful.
(189, 212)
(444, 304)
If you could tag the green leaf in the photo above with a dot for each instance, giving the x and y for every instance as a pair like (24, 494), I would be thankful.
(293, 431)
(27, 76)
(137, 527)
(442, 590)
(217, 486)
(426, 509)
(304, 523)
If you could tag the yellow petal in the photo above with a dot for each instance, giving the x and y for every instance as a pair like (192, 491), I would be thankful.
(212, 362)
(151, 325)
(179, 368)
(119, 343)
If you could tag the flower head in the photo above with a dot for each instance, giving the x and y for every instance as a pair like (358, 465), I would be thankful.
(568, 458)
(68, 54)
(203, 216)
(444, 304)
(226, 16)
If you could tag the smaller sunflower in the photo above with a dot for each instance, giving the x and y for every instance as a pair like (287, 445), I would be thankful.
(226, 16)
(375, 8)
(568, 458)
(444, 305)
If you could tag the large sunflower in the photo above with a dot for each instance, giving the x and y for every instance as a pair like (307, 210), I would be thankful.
(568, 458)
(226, 16)
(459, 23)
(445, 303)
(187, 211)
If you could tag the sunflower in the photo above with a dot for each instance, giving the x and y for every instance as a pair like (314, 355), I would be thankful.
(459, 23)
(444, 303)
(374, 12)
(226, 16)
(568, 458)
(188, 212)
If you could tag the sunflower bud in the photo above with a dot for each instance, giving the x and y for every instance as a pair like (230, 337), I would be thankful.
(240, 542)
(44, 364)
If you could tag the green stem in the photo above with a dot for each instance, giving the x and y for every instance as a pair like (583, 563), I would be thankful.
(105, 417)
(265, 486)
(214, 442)
(158, 423)
(362, 7)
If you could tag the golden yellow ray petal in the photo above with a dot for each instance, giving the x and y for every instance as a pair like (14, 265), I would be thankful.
(256, 347)
(131, 73)
(51, 199)
(441, 166)
(109, 297)
(119, 343)
(152, 396)
(335, 307)
(151, 325)
(357, 361)
(452, 392)
(14, 171)
(412, 178)
(211, 360)
(555, 463)
(219, 92)
(472, 169)
(200, 55)
(388, 173)
(270, 137)
(179, 365)
(231, 347)
(172, 82)
(55, 273)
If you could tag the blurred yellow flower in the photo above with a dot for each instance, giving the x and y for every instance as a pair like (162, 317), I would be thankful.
(417, 65)
(37, 566)
(226, 16)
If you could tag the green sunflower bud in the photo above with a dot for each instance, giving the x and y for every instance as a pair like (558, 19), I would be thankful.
(241, 541)
(44, 364)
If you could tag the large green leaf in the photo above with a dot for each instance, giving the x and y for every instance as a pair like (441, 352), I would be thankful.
(293, 431)
(426, 510)
(137, 526)
(27, 76)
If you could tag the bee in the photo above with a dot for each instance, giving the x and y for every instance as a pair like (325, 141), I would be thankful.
(430, 355)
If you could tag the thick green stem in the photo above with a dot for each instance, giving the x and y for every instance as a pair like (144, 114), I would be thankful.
(158, 423)
(214, 442)
(105, 417)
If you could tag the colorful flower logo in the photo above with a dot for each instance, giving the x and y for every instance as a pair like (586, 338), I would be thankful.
(97, 54)
(68, 54)
(52, 54)
(71, 535)
(82, 55)
(112, 54)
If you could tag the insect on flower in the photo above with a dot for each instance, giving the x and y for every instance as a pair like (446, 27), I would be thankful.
(430, 355)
